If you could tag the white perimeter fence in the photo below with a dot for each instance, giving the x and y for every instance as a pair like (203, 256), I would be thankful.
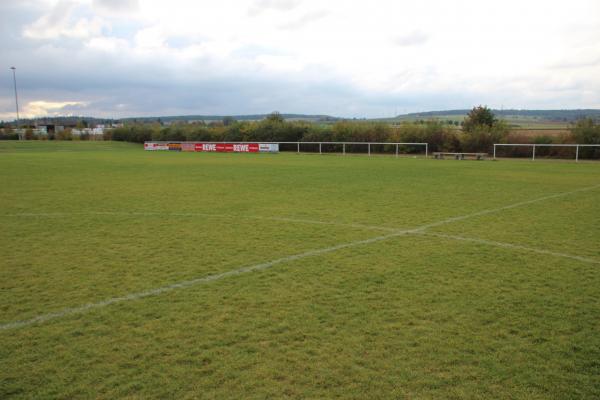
(534, 146)
(332, 147)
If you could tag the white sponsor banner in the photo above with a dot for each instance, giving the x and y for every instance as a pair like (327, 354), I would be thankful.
(268, 147)
(155, 146)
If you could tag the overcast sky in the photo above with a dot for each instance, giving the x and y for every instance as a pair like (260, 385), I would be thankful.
(376, 58)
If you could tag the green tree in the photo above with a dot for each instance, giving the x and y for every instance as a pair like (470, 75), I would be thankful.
(275, 116)
(228, 121)
(481, 129)
(587, 131)
(479, 116)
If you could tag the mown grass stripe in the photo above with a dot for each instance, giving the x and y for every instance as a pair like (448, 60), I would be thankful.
(269, 264)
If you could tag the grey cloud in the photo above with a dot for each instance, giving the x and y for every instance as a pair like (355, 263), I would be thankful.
(58, 16)
(119, 85)
(415, 38)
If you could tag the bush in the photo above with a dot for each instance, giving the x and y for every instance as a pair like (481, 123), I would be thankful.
(438, 136)
(132, 133)
(482, 138)
(29, 135)
(8, 134)
(64, 135)
(587, 131)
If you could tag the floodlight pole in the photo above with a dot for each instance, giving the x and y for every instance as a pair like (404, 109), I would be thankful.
(16, 98)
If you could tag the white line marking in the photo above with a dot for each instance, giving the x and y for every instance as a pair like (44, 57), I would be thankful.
(199, 214)
(192, 282)
(495, 210)
(511, 246)
(269, 264)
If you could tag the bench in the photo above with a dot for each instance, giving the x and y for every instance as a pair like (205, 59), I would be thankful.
(459, 156)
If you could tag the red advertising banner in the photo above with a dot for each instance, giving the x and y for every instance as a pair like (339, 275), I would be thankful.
(228, 147)
(245, 148)
(215, 147)
(205, 146)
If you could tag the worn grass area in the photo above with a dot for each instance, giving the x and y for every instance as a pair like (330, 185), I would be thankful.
(410, 316)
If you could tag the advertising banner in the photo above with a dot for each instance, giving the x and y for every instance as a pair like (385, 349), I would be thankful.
(245, 148)
(268, 147)
(188, 146)
(205, 146)
(155, 146)
(228, 147)
(215, 147)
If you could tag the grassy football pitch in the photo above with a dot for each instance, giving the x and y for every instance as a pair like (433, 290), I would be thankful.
(132, 274)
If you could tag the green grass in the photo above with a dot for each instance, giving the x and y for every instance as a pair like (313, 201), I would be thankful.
(411, 316)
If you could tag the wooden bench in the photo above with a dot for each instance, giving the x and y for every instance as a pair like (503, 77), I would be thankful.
(459, 156)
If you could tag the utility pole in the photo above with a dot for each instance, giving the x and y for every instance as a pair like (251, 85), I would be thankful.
(16, 99)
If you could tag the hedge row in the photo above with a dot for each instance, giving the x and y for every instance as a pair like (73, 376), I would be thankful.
(439, 136)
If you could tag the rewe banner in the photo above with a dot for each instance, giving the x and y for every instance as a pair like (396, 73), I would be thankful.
(228, 147)
(215, 147)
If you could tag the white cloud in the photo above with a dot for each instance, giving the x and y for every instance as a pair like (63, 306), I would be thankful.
(414, 38)
(260, 6)
(42, 108)
(305, 19)
(59, 23)
(382, 51)
(112, 45)
(116, 7)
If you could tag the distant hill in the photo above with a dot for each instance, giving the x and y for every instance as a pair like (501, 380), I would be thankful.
(250, 117)
(547, 115)
(69, 120)
(92, 121)
(544, 119)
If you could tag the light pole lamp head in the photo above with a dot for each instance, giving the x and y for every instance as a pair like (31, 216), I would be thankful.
(13, 68)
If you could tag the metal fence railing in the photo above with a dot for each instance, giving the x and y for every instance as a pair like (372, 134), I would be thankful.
(535, 145)
(330, 147)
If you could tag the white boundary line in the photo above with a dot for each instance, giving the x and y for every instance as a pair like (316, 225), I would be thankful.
(306, 221)
(257, 267)
(511, 246)
(193, 282)
(508, 207)
(317, 222)
(199, 214)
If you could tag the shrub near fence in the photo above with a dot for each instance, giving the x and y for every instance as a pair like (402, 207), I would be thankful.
(438, 135)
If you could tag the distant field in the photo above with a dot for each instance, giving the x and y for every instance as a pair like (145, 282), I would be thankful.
(520, 122)
(135, 274)
(535, 123)
(541, 132)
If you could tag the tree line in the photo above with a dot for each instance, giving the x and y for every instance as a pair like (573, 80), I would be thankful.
(480, 130)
